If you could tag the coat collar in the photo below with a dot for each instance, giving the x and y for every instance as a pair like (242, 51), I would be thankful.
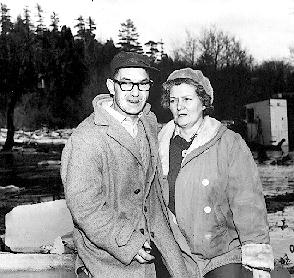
(115, 130)
(209, 132)
(105, 99)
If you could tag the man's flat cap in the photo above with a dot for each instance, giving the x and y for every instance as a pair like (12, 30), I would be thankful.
(130, 60)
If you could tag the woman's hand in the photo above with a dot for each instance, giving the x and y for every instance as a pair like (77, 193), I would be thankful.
(257, 273)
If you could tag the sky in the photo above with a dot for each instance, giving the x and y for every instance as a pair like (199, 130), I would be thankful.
(265, 28)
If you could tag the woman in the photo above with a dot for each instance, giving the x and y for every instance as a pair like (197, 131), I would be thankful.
(215, 198)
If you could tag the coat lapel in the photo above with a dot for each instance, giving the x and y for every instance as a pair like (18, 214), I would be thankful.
(152, 139)
(117, 132)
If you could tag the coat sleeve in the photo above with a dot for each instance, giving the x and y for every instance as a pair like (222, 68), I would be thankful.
(91, 203)
(248, 206)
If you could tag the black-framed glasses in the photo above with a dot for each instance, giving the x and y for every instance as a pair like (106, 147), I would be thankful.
(128, 85)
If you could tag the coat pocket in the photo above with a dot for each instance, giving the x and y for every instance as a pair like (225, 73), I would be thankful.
(125, 233)
(127, 227)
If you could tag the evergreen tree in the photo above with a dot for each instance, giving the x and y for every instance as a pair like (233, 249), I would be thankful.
(40, 26)
(91, 28)
(27, 21)
(5, 21)
(128, 37)
(6, 27)
(81, 33)
(20, 74)
(152, 50)
(54, 22)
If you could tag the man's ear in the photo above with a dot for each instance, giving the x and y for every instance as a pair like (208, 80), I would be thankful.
(110, 86)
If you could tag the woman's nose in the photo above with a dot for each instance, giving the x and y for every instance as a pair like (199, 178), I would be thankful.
(180, 105)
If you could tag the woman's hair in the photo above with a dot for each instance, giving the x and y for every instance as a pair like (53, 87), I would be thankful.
(199, 90)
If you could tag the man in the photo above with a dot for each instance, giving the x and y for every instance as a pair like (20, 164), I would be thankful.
(112, 180)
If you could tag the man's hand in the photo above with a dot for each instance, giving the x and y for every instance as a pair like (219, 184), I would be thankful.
(260, 273)
(143, 256)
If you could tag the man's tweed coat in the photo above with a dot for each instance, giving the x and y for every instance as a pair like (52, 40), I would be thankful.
(115, 206)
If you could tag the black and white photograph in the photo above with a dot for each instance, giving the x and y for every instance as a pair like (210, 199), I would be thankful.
(147, 139)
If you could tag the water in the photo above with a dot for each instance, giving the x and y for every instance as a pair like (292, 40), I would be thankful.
(277, 180)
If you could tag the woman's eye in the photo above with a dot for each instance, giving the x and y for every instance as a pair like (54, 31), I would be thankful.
(187, 99)
(171, 101)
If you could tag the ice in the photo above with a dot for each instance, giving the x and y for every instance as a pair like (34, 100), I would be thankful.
(10, 189)
(49, 163)
(28, 227)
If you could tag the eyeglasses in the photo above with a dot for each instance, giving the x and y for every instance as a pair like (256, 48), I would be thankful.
(128, 85)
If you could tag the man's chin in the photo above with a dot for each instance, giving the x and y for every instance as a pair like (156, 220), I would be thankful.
(135, 110)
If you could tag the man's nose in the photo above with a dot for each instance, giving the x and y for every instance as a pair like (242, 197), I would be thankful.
(135, 90)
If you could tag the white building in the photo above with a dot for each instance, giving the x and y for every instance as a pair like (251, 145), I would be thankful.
(267, 122)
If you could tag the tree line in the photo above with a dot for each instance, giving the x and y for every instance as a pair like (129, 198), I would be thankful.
(48, 76)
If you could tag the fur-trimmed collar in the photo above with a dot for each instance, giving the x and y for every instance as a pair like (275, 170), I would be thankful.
(208, 132)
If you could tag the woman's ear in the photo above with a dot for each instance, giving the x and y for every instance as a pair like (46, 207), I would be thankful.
(110, 86)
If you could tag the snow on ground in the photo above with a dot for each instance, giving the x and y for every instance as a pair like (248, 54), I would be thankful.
(282, 235)
(276, 181)
(40, 136)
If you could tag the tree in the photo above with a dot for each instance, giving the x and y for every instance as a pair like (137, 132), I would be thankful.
(213, 49)
(40, 26)
(91, 28)
(218, 50)
(189, 51)
(6, 24)
(128, 37)
(54, 22)
(271, 78)
(81, 33)
(27, 21)
(152, 50)
(49, 76)
(6, 27)
(20, 74)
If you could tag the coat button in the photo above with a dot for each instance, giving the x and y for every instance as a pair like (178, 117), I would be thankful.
(184, 153)
(205, 182)
(137, 191)
(207, 209)
(145, 208)
(142, 231)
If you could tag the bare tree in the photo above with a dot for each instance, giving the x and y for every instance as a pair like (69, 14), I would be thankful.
(219, 50)
(213, 48)
(189, 51)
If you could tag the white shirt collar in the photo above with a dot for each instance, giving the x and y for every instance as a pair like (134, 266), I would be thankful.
(130, 125)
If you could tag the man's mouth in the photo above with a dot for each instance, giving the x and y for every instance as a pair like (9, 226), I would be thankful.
(134, 101)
